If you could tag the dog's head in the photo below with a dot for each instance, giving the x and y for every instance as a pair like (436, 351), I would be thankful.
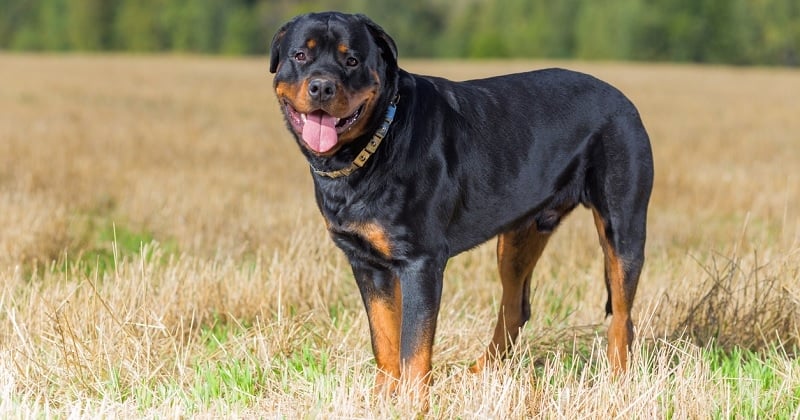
(334, 76)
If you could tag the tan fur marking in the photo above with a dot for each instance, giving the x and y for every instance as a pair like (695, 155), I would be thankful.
(296, 93)
(354, 100)
(385, 318)
(418, 367)
(417, 373)
(517, 254)
(600, 224)
(343, 48)
(620, 332)
(375, 235)
(311, 43)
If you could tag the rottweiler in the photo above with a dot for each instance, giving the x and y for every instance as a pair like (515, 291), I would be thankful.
(410, 170)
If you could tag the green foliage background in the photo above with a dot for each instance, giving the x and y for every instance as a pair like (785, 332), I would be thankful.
(704, 31)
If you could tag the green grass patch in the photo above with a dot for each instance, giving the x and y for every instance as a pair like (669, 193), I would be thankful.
(306, 364)
(220, 330)
(236, 381)
(105, 244)
(153, 395)
(755, 382)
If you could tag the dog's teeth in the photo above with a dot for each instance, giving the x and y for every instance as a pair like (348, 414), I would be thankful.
(303, 117)
(337, 120)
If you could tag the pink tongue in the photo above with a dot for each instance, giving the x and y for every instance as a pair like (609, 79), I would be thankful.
(319, 132)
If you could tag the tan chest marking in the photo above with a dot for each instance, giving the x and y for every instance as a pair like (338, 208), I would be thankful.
(374, 234)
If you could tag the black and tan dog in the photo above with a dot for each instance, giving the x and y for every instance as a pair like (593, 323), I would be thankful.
(411, 170)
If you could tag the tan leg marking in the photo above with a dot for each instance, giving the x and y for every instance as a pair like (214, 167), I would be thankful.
(417, 377)
(620, 332)
(385, 316)
(517, 254)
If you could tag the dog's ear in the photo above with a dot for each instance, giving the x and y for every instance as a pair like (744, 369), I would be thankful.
(384, 41)
(274, 55)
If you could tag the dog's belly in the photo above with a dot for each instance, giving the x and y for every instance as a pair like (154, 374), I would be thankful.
(529, 197)
(465, 234)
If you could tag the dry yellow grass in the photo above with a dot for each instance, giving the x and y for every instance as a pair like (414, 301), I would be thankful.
(241, 276)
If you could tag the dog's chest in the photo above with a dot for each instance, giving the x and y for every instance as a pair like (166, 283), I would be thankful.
(363, 238)
(364, 225)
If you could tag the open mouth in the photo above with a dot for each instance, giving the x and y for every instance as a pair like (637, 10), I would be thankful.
(320, 130)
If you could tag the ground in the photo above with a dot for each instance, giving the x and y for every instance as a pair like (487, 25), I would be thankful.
(161, 255)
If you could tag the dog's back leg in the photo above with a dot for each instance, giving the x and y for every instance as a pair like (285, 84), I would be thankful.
(620, 191)
(622, 269)
(518, 251)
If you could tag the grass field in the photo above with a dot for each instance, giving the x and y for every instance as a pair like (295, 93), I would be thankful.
(161, 256)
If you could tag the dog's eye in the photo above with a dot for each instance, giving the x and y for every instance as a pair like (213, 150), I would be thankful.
(351, 62)
(300, 56)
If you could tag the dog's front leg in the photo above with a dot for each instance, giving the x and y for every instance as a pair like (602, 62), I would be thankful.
(380, 291)
(421, 286)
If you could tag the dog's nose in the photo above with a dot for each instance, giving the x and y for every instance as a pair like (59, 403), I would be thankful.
(321, 90)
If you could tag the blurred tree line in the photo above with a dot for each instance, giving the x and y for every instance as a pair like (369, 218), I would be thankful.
(706, 31)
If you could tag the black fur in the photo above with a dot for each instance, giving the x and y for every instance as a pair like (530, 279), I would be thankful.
(466, 161)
